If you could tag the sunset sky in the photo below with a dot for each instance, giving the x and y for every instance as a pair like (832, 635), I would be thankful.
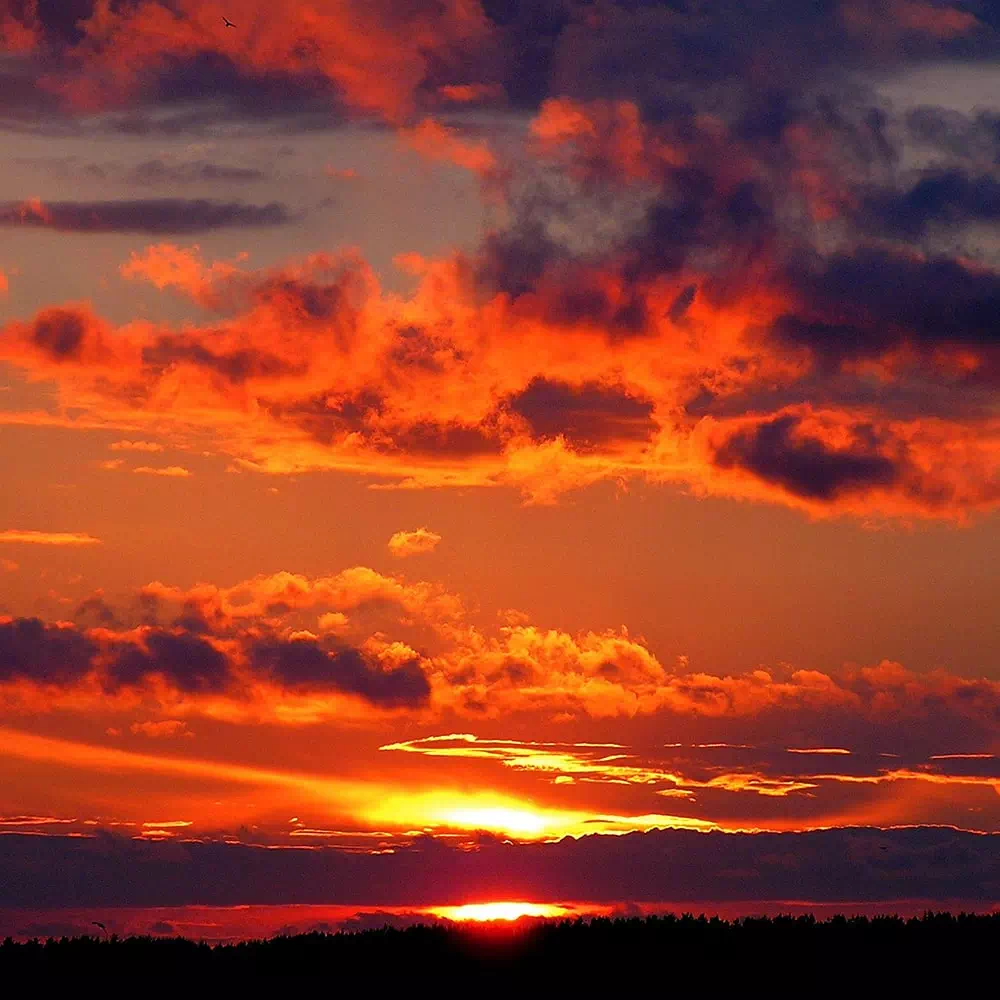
(432, 429)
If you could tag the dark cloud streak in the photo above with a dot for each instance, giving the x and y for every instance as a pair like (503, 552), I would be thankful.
(155, 216)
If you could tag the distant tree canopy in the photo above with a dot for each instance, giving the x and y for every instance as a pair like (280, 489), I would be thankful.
(590, 957)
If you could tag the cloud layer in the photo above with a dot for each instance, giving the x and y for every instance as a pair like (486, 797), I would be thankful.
(853, 865)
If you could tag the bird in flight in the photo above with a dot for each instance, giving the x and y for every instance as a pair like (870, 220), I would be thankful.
(227, 22)
(97, 923)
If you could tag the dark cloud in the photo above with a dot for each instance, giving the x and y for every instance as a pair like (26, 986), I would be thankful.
(157, 216)
(192, 663)
(97, 611)
(308, 300)
(947, 198)
(304, 663)
(235, 366)
(529, 34)
(778, 452)
(31, 649)
(895, 298)
(681, 867)
(60, 333)
(694, 214)
(681, 304)
(512, 260)
(326, 417)
(426, 437)
(586, 415)
(187, 79)
(60, 20)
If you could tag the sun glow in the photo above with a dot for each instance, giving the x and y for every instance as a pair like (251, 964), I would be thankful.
(484, 912)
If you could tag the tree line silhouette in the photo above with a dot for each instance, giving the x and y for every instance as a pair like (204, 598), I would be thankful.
(801, 955)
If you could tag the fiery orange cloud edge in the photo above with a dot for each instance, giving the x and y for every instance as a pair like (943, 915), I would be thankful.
(441, 393)
(292, 651)
(471, 671)
(593, 371)
(384, 814)
(142, 651)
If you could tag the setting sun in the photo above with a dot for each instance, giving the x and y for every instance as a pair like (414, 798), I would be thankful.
(485, 912)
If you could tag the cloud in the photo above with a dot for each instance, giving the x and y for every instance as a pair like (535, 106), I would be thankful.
(370, 57)
(147, 446)
(169, 471)
(165, 729)
(413, 543)
(158, 216)
(67, 538)
(596, 763)
(773, 293)
(355, 588)
(946, 199)
(242, 653)
(305, 663)
(186, 661)
(777, 452)
(360, 646)
(46, 653)
(588, 415)
(164, 172)
(846, 867)
(436, 141)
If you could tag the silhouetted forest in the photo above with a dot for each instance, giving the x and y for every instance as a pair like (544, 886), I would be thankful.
(668, 954)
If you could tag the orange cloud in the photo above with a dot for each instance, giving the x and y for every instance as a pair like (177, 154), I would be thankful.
(161, 730)
(536, 366)
(169, 471)
(373, 56)
(413, 543)
(148, 446)
(69, 538)
(381, 806)
(166, 265)
(348, 590)
(594, 763)
(438, 142)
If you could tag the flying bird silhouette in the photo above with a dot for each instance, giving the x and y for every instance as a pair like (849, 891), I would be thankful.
(97, 923)
(227, 22)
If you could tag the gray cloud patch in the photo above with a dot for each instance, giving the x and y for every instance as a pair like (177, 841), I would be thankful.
(157, 216)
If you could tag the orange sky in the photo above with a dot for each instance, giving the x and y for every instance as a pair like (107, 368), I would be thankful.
(415, 426)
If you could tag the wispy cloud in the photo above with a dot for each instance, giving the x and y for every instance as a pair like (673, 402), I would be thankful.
(169, 471)
(155, 216)
(148, 446)
(29, 537)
